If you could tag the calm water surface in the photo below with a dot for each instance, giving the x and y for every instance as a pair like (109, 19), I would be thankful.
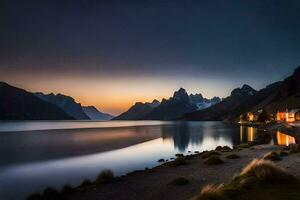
(35, 155)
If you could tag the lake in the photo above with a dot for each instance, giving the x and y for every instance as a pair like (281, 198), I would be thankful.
(37, 154)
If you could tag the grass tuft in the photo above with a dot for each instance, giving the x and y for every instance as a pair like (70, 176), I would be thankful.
(260, 179)
(105, 176)
(223, 149)
(273, 156)
(267, 171)
(211, 192)
(179, 161)
(213, 160)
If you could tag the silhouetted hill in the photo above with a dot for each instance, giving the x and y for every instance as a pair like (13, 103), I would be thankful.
(66, 103)
(18, 104)
(223, 109)
(138, 111)
(94, 114)
(255, 102)
(287, 96)
(277, 96)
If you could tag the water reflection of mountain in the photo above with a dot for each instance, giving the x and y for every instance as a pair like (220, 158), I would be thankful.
(202, 135)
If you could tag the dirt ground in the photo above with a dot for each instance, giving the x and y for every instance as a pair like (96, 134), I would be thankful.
(155, 183)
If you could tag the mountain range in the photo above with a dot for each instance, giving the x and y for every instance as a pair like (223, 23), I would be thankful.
(275, 97)
(168, 109)
(19, 104)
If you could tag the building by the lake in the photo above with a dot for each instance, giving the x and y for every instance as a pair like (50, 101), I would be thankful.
(289, 115)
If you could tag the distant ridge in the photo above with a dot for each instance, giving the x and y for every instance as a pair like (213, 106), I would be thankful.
(66, 103)
(18, 104)
(94, 114)
(138, 111)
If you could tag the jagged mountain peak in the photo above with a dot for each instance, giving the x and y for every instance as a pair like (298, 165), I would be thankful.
(196, 97)
(244, 90)
(181, 95)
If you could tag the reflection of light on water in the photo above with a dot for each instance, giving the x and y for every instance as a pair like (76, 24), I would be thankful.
(250, 134)
(283, 139)
(241, 133)
(169, 139)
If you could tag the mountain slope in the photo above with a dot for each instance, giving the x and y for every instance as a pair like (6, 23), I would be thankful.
(223, 109)
(94, 114)
(66, 103)
(138, 111)
(18, 104)
(288, 94)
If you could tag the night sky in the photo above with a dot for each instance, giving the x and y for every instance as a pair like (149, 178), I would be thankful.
(113, 53)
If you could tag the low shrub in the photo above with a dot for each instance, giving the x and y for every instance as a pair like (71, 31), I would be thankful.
(267, 171)
(85, 183)
(213, 160)
(105, 176)
(223, 149)
(233, 156)
(179, 155)
(273, 156)
(211, 192)
(179, 161)
(260, 179)
(161, 160)
(180, 181)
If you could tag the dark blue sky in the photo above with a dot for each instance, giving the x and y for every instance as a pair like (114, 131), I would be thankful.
(206, 45)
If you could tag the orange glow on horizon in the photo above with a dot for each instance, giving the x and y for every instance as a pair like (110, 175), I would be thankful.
(113, 95)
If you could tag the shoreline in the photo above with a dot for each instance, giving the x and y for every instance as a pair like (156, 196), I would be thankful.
(160, 178)
(156, 183)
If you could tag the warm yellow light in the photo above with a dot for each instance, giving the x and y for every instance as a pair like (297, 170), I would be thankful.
(241, 133)
(250, 134)
(285, 140)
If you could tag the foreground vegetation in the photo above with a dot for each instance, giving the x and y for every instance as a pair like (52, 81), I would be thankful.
(260, 180)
